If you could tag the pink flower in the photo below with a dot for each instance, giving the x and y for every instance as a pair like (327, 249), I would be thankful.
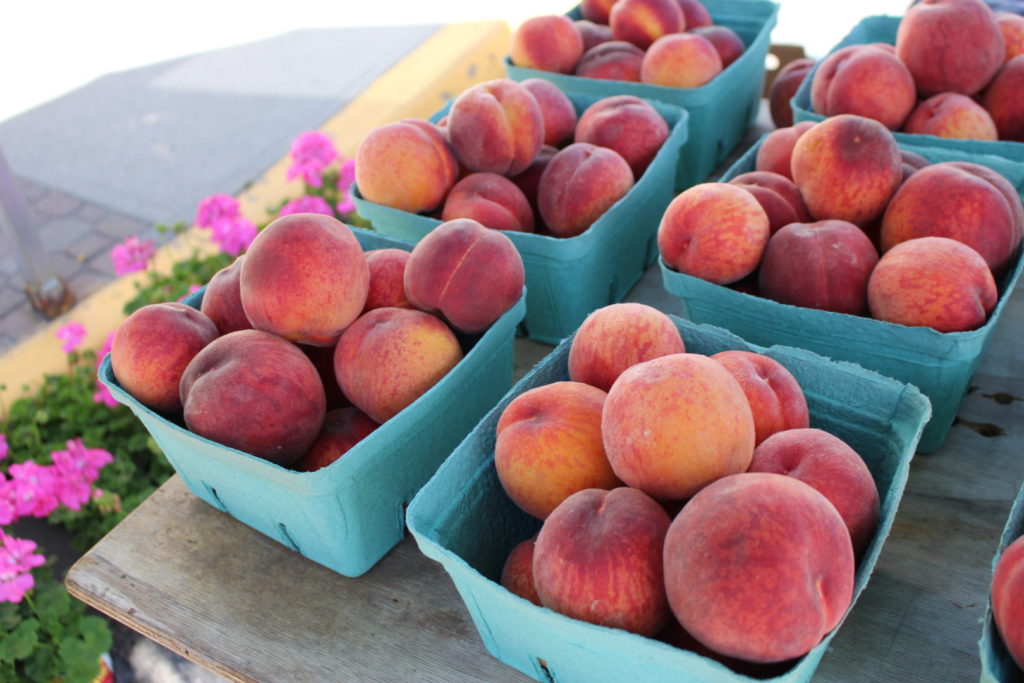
(3, 446)
(17, 559)
(347, 175)
(108, 344)
(234, 236)
(7, 511)
(346, 206)
(307, 204)
(311, 153)
(72, 335)
(132, 255)
(76, 469)
(104, 396)
(216, 209)
(33, 486)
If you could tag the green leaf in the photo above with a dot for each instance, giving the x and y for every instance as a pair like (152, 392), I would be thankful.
(19, 643)
(52, 604)
(80, 659)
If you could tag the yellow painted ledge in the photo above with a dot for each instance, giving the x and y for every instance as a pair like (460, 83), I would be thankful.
(451, 60)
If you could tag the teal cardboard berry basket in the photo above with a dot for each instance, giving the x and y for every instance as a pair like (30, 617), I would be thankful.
(997, 666)
(347, 515)
(721, 111)
(463, 519)
(882, 29)
(567, 278)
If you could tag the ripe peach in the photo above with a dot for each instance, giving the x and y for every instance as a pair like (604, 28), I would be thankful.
(616, 60)
(776, 400)
(961, 200)
(1004, 100)
(407, 165)
(950, 45)
(548, 446)
(784, 87)
(342, 429)
(680, 60)
(152, 348)
(496, 127)
(1012, 27)
(618, 337)
(1007, 608)
(390, 357)
(675, 424)
(580, 183)
(556, 108)
(642, 22)
(776, 151)
(517, 573)
(847, 167)
(626, 124)
(597, 11)
(823, 265)
(598, 559)
(387, 272)
(465, 272)
(932, 282)
(834, 469)
(492, 200)
(728, 43)
(714, 231)
(695, 14)
(593, 33)
(549, 43)
(256, 392)
(951, 115)
(528, 183)
(322, 358)
(800, 546)
(866, 81)
(222, 300)
(777, 195)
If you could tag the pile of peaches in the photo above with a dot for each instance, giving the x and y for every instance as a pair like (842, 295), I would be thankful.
(807, 228)
(683, 496)
(670, 43)
(500, 157)
(966, 61)
(305, 344)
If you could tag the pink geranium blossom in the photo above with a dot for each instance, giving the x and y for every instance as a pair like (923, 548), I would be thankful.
(3, 446)
(72, 335)
(346, 177)
(132, 255)
(7, 506)
(307, 204)
(17, 559)
(234, 236)
(33, 489)
(311, 153)
(216, 209)
(103, 394)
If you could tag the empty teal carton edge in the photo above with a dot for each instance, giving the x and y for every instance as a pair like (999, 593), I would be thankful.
(721, 111)
(940, 364)
(882, 29)
(567, 278)
(463, 519)
(348, 515)
(997, 666)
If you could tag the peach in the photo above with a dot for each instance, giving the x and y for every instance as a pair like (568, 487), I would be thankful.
(152, 348)
(466, 273)
(255, 392)
(728, 43)
(342, 429)
(642, 22)
(390, 357)
(776, 151)
(517, 572)
(784, 87)
(496, 127)
(528, 183)
(951, 115)
(1004, 100)
(492, 200)
(695, 14)
(222, 300)
(823, 265)
(548, 446)
(626, 124)
(597, 11)
(847, 167)
(714, 231)
(961, 200)
(950, 45)
(580, 183)
(800, 547)
(598, 559)
(1007, 608)
(1012, 28)
(835, 470)
(676, 636)
(387, 271)
(593, 33)
(866, 81)
(407, 165)
(322, 358)
(304, 278)
(680, 60)
(616, 60)
(675, 424)
(777, 195)
(556, 108)
(549, 43)
(932, 282)
(618, 337)
(776, 400)
(913, 160)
